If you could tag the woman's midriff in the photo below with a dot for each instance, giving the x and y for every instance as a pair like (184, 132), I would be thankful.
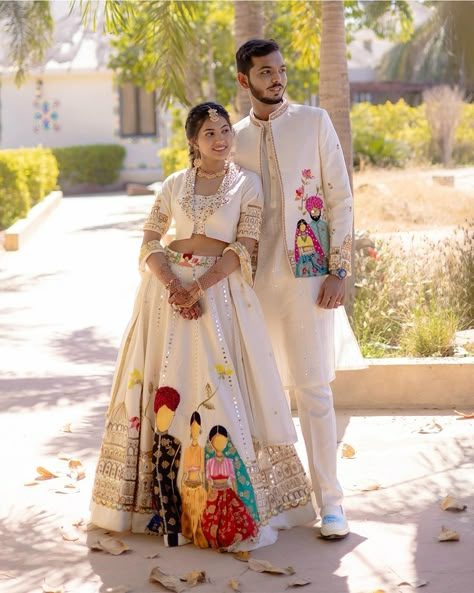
(198, 245)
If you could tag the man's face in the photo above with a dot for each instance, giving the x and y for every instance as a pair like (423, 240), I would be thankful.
(267, 78)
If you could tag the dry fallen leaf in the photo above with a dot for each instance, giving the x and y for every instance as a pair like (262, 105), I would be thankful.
(69, 535)
(415, 584)
(31, 483)
(430, 428)
(67, 427)
(265, 566)
(463, 416)
(44, 474)
(64, 457)
(76, 470)
(194, 577)
(451, 504)
(151, 556)
(48, 589)
(111, 545)
(68, 489)
(368, 485)
(234, 584)
(448, 535)
(168, 581)
(242, 556)
(298, 583)
(78, 522)
(347, 451)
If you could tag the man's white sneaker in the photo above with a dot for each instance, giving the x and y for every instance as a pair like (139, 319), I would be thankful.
(333, 522)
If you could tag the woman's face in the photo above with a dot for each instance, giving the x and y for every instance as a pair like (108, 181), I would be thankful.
(219, 441)
(195, 429)
(214, 140)
(302, 227)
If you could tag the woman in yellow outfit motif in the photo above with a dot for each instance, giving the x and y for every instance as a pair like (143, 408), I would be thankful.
(193, 491)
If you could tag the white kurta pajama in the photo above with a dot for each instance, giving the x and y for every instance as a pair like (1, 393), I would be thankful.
(228, 349)
(297, 154)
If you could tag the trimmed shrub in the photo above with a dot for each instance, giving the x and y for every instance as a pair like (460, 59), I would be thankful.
(41, 169)
(27, 175)
(389, 134)
(96, 163)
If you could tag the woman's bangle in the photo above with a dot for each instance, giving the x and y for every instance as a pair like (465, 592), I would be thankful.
(201, 289)
(171, 282)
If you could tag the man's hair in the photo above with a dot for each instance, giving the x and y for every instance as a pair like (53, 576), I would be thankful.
(251, 48)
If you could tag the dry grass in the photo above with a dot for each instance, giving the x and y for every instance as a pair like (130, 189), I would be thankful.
(392, 200)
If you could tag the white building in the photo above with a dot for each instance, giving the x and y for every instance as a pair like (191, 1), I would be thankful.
(73, 99)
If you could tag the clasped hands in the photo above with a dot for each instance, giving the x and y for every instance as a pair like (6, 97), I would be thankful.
(184, 299)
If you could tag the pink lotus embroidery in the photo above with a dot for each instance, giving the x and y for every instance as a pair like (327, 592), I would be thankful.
(301, 194)
(134, 422)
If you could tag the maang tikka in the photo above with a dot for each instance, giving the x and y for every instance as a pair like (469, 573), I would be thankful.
(213, 115)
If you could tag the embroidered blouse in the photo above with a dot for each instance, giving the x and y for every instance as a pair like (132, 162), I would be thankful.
(235, 210)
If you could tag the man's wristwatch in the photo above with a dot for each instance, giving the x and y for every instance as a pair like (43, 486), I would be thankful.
(340, 273)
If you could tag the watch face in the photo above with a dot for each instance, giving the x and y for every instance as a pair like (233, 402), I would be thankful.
(341, 273)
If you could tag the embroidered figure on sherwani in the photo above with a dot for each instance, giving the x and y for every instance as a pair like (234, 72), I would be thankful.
(309, 255)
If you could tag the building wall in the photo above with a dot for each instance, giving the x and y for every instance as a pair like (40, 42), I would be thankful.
(74, 108)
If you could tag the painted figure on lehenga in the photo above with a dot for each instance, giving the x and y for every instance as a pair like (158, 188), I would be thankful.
(226, 520)
(166, 457)
(193, 486)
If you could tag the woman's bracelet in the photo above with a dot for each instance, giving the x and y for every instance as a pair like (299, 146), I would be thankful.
(171, 282)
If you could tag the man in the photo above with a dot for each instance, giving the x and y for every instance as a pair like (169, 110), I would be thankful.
(296, 151)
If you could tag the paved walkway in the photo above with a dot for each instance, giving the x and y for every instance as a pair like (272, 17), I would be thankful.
(64, 301)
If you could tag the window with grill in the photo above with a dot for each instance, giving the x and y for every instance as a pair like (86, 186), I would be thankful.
(137, 111)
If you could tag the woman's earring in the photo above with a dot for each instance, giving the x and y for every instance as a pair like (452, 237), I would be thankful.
(197, 159)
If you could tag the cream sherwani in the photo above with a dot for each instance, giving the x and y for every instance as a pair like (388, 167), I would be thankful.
(298, 155)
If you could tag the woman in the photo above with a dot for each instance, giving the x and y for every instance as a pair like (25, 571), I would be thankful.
(197, 329)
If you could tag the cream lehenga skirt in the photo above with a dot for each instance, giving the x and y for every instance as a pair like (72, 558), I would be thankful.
(198, 442)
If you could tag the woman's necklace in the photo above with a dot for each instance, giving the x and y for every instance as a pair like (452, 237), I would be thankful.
(206, 175)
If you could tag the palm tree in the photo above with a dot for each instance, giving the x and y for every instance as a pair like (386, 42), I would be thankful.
(441, 50)
(248, 24)
(28, 28)
(334, 92)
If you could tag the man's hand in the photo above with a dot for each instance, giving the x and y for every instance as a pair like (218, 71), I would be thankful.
(332, 293)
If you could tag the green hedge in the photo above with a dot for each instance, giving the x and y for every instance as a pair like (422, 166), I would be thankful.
(96, 163)
(27, 175)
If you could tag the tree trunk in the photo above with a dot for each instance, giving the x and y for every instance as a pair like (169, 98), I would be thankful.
(334, 91)
(248, 24)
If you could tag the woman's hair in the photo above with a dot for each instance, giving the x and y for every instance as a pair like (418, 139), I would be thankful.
(251, 48)
(195, 417)
(300, 222)
(217, 429)
(196, 117)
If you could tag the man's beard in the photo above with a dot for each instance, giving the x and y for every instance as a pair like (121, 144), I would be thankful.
(262, 99)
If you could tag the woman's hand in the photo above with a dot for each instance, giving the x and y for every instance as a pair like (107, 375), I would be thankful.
(185, 296)
(193, 312)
